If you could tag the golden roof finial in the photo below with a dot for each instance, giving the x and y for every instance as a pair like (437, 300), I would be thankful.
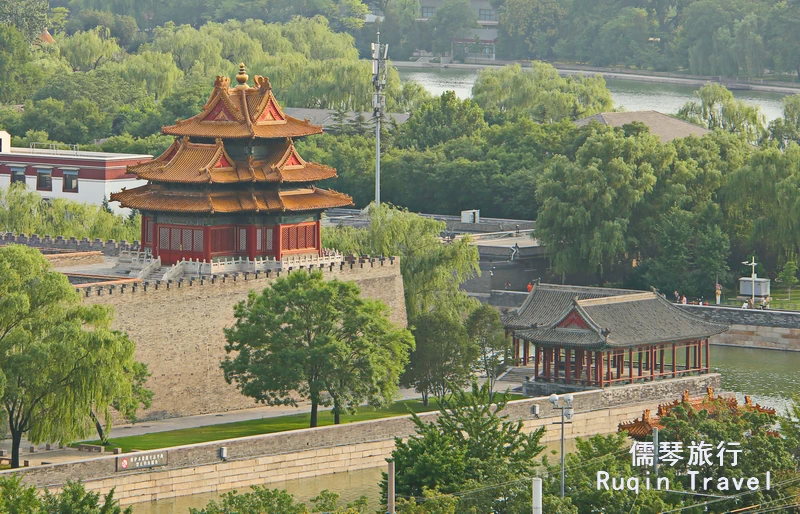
(242, 76)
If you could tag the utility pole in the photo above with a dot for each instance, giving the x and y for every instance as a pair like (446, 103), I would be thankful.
(379, 54)
(390, 494)
(537, 496)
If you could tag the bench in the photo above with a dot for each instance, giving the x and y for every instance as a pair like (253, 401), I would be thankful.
(91, 448)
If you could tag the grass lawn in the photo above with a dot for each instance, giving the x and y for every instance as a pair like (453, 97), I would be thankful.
(262, 426)
(780, 298)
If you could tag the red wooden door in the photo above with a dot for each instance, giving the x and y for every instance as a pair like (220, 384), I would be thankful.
(176, 243)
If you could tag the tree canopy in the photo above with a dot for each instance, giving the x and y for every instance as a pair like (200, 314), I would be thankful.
(60, 359)
(307, 338)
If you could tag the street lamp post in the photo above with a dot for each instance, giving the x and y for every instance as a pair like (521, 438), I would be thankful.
(752, 264)
(566, 412)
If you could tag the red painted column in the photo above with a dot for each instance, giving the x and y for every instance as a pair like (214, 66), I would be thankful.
(599, 368)
(578, 365)
(156, 239)
(640, 362)
(547, 359)
(567, 365)
(318, 236)
(652, 352)
(674, 360)
(252, 244)
(537, 354)
(207, 244)
(525, 359)
(557, 363)
(630, 364)
(589, 377)
(608, 365)
(278, 242)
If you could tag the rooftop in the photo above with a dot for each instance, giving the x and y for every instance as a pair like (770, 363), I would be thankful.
(601, 318)
(665, 127)
(74, 154)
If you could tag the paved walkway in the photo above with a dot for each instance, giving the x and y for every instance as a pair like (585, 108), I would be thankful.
(164, 425)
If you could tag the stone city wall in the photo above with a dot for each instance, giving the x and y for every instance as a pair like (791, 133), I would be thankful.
(110, 247)
(63, 260)
(753, 328)
(306, 453)
(178, 326)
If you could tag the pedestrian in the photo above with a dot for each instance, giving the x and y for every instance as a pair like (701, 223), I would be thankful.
(508, 285)
(677, 296)
(530, 287)
(769, 300)
(684, 301)
(719, 293)
(751, 304)
(764, 303)
(744, 305)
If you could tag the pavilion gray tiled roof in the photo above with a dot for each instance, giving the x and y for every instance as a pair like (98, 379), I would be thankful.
(665, 127)
(546, 304)
(621, 321)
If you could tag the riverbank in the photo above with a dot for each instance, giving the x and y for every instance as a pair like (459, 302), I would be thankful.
(621, 74)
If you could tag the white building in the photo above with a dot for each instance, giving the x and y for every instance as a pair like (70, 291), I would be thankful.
(88, 177)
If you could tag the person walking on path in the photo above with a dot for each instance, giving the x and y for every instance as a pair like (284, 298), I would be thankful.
(677, 296)
(530, 287)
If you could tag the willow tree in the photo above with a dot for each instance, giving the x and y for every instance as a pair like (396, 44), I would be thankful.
(60, 358)
(432, 269)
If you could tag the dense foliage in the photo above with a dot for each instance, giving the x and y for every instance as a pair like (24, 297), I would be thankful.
(307, 338)
(62, 363)
(17, 498)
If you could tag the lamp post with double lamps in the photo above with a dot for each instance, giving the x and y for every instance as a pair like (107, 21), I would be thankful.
(753, 265)
(566, 414)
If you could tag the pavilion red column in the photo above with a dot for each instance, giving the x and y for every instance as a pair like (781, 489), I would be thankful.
(516, 351)
(599, 368)
(547, 360)
(608, 364)
(630, 364)
(661, 363)
(578, 365)
(674, 360)
(589, 378)
(620, 362)
(652, 361)
(252, 244)
(156, 240)
(708, 361)
(537, 352)
(525, 359)
(556, 362)
(279, 242)
(567, 366)
(640, 361)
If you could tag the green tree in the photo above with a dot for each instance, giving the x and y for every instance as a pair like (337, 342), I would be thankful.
(15, 57)
(17, 498)
(431, 271)
(59, 357)
(540, 93)
(443, 119)
(444, 357)
(488, 334)
(28, 16)
(717, 108)
(304, 336)
(155, 71)
(788, 276)
(269, 501)
(450, 21)
(470, 445)
(86, 50)
(587, 205)
(528, 29)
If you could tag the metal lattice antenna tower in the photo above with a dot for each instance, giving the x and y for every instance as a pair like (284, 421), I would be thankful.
(379, 54)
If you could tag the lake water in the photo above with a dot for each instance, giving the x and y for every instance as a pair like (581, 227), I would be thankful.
(627, 94)
(769, 376)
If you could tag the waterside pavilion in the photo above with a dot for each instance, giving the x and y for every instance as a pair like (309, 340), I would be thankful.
(587, 337)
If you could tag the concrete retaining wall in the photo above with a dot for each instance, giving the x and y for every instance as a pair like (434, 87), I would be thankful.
(270, 458)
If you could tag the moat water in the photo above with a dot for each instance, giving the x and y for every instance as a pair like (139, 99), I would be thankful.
(627, 94)
(771, 377)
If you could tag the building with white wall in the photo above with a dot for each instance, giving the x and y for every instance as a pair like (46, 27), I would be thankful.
(88, 177)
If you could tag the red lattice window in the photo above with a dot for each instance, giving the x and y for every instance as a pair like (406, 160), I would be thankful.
(175, 243)
(301, 237)
(311, 236)
(197, 245)
(259, 239)
(268, 239)
(148, 230)
(163, 238)
(242, 240)
(222, 240)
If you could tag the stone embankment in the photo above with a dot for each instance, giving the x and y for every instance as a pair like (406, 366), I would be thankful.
(202, 468)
